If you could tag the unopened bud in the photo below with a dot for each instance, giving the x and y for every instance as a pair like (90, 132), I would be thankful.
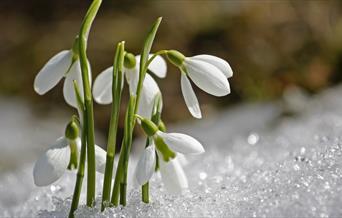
(129, 61)
(71, 131)
(175, 57)
(148, 126)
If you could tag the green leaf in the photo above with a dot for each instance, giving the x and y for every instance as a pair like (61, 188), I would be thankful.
(148, 43)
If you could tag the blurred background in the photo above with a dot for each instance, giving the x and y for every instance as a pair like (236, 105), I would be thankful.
(270, 45)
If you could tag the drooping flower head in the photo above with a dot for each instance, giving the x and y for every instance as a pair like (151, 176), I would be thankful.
(167, 146)
(64, 64)
(63, 155)
(208, 72)
(102, 89)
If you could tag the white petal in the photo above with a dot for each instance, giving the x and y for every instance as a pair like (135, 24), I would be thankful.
(158, 65)
(52, 72)
(145, 166)
(207, 77)
(132, 77)
(68, 88)
(52, 164)
(173, 176)
(100, 158)
(217, 62)
(102, 89)
(190, 97)
(182, 159)
(74, 73)
(148, 94)
(181, 143)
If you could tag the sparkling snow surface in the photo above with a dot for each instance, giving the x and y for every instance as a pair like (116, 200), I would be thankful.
(258, 163)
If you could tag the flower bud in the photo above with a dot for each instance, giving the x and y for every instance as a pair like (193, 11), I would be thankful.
(148, 126)
(71, 131)
(175, 57)
(129, 61)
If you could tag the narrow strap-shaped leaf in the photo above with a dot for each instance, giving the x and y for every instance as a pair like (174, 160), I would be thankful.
(148, 43)
(113, 126)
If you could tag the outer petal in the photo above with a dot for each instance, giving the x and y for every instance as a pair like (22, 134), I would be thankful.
(148, 93)
(207, 77)
(52, 164)
(158, 65)
(190, 97)
(132, 77)
(181, 143)
(100, 158)
(145, 166)
(75, 73)
(182, 159)
(217, 62)
(68, 88)
(102, 89)
(173, 176)
(52, 72)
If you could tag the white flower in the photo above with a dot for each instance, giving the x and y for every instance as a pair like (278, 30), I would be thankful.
(181, 143)
(102, 89)
(173, 176)
(210, 74)
(172, 173)
(59, 66)
(53, 163)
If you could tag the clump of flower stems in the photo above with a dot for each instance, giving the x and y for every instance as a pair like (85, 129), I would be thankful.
(163, 151)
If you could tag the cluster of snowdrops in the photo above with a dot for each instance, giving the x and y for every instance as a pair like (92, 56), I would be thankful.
(76, 150)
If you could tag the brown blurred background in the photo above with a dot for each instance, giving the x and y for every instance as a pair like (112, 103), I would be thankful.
(271, 45)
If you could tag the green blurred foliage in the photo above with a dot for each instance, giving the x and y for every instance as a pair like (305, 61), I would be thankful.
(270, 45)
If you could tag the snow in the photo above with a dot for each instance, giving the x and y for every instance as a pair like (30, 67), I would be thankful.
(258, 163)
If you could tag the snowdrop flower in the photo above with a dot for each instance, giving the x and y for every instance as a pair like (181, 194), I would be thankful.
(167, 144)
(208, 72)
(64, 64)
(102, 90)
(54, 162)
(172, 173)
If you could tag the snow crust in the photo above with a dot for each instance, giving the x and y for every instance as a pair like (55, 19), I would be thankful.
(258, 163)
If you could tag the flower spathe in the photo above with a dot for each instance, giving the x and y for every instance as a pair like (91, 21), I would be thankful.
(54, 162)
(59, 66)
(102, 89)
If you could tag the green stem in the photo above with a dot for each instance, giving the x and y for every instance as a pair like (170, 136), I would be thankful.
(89, 117)
(116, 93)
(80, 172)
(120, 183)
(149, 61)
(118, 176)
(145, 193)
(128, 145)
(121, 175)
(155, 118)
(80, 175)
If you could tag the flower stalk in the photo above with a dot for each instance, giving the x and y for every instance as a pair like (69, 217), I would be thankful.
(89, 113)
(130, 121)
(113, 127)
(81, 166)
